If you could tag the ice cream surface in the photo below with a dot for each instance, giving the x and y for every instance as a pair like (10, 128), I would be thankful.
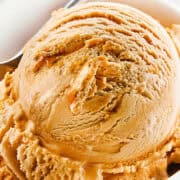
(95, 96)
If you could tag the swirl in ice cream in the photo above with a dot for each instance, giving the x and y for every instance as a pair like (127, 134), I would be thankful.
(95, 92)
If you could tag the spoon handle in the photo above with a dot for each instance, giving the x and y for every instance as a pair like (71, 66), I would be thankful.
(71, 3)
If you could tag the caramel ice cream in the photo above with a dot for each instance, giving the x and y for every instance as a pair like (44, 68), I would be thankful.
(95, 96)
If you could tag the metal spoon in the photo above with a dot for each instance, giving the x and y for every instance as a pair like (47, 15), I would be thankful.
(13, 62)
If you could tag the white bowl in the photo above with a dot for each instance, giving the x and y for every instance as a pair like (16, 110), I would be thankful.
(164, 11)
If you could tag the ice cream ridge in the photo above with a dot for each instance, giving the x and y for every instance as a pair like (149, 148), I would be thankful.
(95, 96)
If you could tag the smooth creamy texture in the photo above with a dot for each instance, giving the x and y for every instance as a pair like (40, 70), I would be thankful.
(96, 94)
(111, 85)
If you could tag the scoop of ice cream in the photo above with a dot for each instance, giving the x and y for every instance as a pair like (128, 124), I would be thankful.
(99, 82)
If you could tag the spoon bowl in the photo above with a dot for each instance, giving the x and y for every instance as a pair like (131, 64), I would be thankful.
(12, 63)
